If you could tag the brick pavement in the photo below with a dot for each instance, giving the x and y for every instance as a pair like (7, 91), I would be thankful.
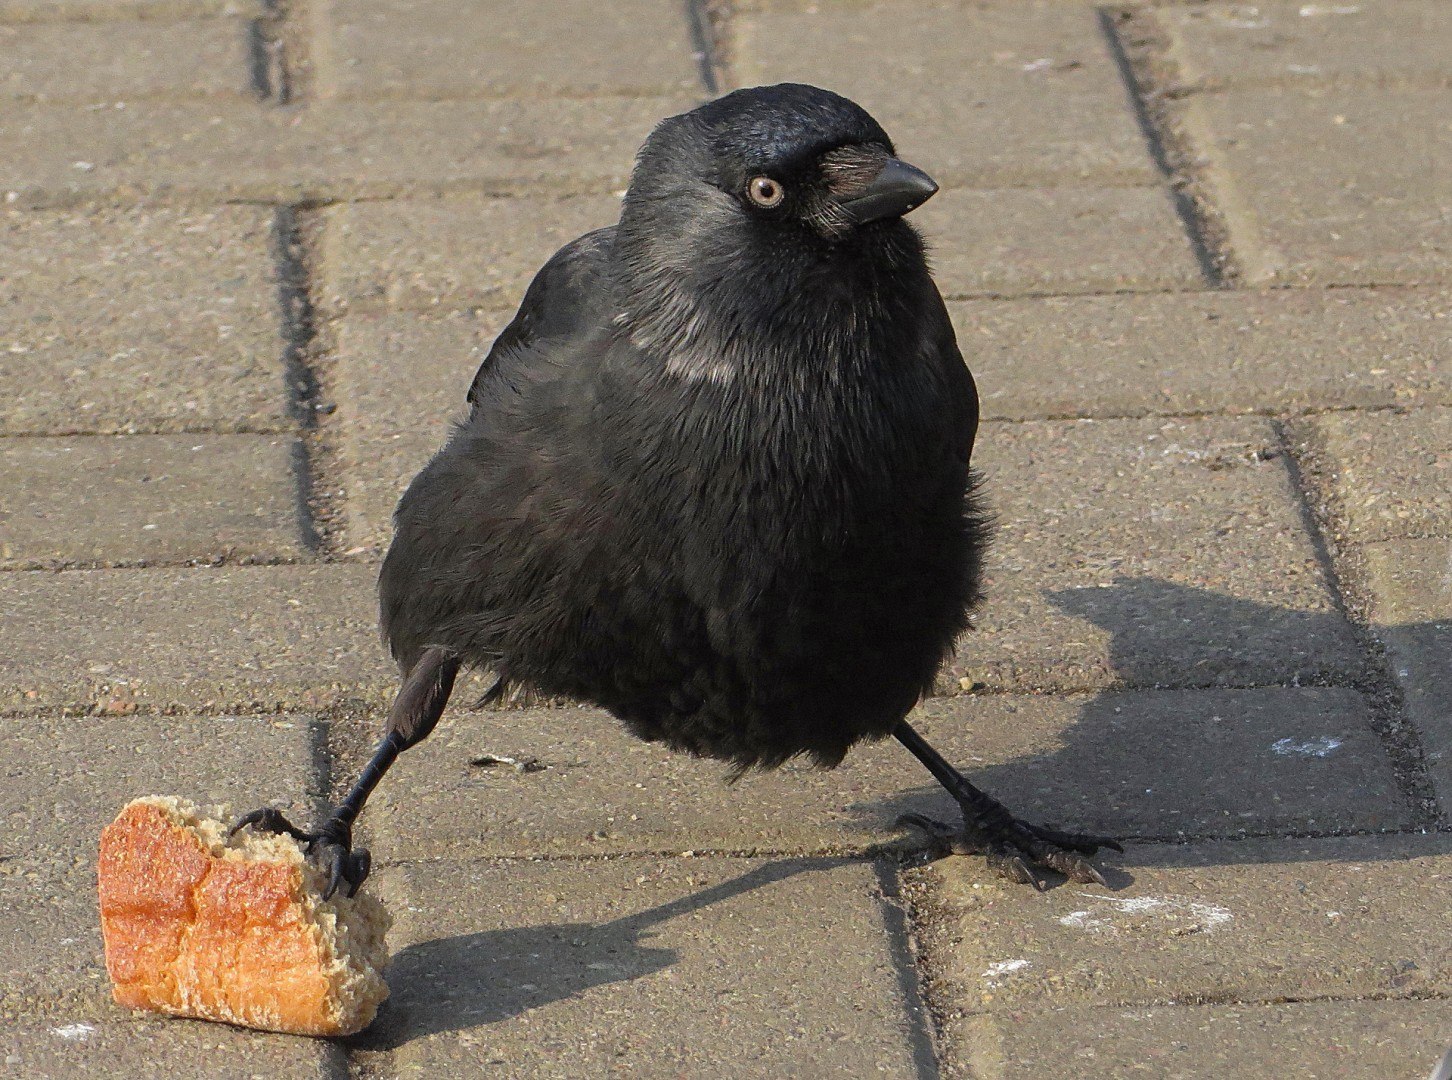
(1198, 257)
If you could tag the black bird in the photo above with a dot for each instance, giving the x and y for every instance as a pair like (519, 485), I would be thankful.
(715, 477)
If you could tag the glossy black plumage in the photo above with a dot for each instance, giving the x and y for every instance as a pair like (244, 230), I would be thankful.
(716, 473)
(715, 476)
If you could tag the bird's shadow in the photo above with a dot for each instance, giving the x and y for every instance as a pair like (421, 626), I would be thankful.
(470, 980)
(1156, 764)
(1106, 773)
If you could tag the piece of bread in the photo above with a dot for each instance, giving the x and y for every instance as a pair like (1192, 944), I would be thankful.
(197, 924)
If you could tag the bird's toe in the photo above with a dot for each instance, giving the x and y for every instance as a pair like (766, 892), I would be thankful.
(1018, 850)
(1010, 864)
(1083, 843)
(268, 819)
(344, 867)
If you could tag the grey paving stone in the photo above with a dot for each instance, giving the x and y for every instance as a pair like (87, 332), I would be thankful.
(64, 778)
(648, 967)
(332, 150)
(459, 48)
(1367, 199)
(988, 95)
(401, 379)
(131, 498)
(1278, 351)
(1249, 921)
(281, 637)
(1147, 763)
(1297, 42)
(1411, 612)
(1357, 1040)
(468, 251)
(1148, 552)
(141, 318)
(108, 62)
(57, 1050)
(1392, 472)
(1065, 239)
(106, 10)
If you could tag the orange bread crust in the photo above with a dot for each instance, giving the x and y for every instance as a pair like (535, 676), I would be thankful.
(195, 925)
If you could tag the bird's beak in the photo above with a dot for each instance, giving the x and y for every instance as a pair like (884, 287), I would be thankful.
(894, 191)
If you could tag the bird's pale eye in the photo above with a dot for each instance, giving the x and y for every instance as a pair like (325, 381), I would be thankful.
(766, 192)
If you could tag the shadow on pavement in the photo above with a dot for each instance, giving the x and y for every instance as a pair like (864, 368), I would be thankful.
(1130, 764)
(461, 982)
(1152, 762)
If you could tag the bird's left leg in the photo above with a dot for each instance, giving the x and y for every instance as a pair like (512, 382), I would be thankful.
(416, 709)
(1012, 847)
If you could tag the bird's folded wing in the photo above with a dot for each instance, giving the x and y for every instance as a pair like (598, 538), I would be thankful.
(564, 303)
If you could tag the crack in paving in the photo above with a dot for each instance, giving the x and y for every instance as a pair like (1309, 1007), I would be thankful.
(266, 66)
(295, 236)
(1141, 54)
(710, 27)
(1398, 735)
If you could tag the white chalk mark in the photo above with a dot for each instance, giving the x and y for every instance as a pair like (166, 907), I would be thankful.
(1203, 917)
(1003, 967)
(1318, 747)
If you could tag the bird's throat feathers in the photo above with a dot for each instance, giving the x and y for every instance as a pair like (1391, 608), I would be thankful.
(722, 307)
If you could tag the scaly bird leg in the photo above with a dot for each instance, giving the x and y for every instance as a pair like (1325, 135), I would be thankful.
(1012, 847)
(416, 710)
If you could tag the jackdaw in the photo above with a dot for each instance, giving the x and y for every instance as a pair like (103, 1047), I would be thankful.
(715, 475)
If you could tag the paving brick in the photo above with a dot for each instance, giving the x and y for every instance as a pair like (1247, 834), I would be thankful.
(107, 10)
(1411, 612)
(56, 1050)
(989, 95)
(469, 251)
(1293, 41)
(1357, 1040)
(145, 318)
(65, 778)
(1366, 200)
(401, 380)
(466, 49)
(1392, 472)
(131, 498)
(645, 967)
(331, 150)
(256, 636)
(1241, 922)
(1065, 239)
(1148, 552)
(1147, 763)
(90, 62)
(1277, 351)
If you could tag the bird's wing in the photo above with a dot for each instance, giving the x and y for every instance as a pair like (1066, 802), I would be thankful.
(960, 399)
(468, 530)
(561, 305)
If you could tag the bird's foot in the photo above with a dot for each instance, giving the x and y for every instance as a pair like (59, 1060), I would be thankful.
(332, 845)
(1017, 849)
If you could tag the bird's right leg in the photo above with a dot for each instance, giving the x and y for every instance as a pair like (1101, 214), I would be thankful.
(1012, 847)
(416, 709)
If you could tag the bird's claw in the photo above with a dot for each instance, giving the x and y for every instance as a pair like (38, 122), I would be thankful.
(343, 865)
(1015, 850)
(332, 846)
(269, 820)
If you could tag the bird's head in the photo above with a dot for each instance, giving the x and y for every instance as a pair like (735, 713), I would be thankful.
(776, 160)
(756, 199)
